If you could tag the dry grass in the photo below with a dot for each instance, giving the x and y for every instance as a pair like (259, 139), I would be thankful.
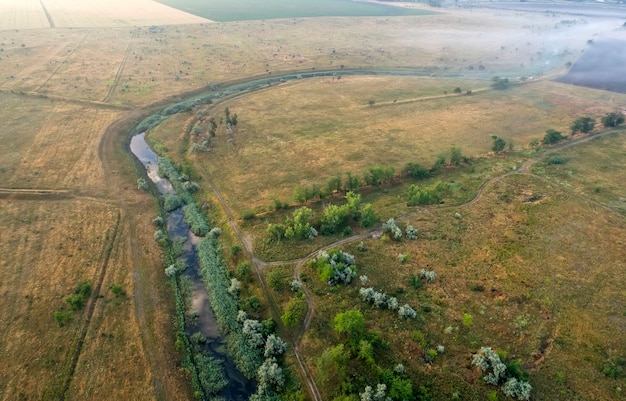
(167, 60)
(47, 248)
(558, 314)
(326, 128)
(56, 144)
(595, 169)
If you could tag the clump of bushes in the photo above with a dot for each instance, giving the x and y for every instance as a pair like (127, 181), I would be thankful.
(335, 267)
(495, 372)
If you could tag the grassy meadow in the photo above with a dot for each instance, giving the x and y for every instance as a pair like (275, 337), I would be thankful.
(70, 93)
(327, 128)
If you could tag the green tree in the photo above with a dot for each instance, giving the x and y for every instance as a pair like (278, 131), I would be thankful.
(414, 170)
(612, 119)
(583, 124)
(456, 155)
(352, 183)
(552, 136)
(299, 194)
(352, 324)
(334, 184)
(368, 216)
(332, 370)
(497, 144)
(457, 90)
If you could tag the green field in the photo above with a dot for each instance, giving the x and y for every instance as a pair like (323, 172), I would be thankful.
(238, 10)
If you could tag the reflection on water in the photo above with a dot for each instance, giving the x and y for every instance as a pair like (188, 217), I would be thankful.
(203, 320)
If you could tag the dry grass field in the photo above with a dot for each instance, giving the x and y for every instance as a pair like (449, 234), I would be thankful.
(282, 136)
(69, 210)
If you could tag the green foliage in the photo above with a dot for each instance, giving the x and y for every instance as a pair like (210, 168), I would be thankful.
(224, 304)
(63, 317)
(142, 184)
(117, 290)
(81, 293)
(416, 171)
(332, 368)
(172, 202)
(276, 280)
(424, 196)
(295, 310)
(367, 216)
(335, 267)
(439, 163)
(377, 175)
(495, 372)
(456, 155)
(612, 119)
(196, 220)
(552, 136)
(468, 320)
(614, 368)
(350, 323)
(497, 144)
(583, 124)
(556, 160)
(299, 225)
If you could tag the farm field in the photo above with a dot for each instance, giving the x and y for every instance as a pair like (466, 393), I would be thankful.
(238, 10)
(88, 312)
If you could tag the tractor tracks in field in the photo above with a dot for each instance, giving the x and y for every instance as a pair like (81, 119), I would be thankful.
(93, 299)
(120, 69)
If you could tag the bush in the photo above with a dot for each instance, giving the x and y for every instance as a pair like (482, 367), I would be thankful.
(583, 124)
(497, 144)
(294, 312)
(556, 160)
(63, 318)
(612, 119)
(428, 275)
(335, 267)
(391, 228)
(552, 136)
(172, 202)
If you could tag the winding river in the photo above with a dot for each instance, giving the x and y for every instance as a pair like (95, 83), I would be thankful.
(239, 388)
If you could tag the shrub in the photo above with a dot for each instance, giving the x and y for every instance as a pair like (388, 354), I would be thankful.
(142, 184)
(62, 318)
(612, 119)
(391, 228)
(424, 196)
(497, 144)
(583, 124)
(428, 275)
(403, 257)
(335, 267)
(172, 202)
(406, 312)
(294, 312)
(196, 220)
(411, 232)
(556, 160)
(517, 389)
(552, 136)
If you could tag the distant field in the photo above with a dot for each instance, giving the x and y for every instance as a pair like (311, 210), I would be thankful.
(30, 14)
(236, 10)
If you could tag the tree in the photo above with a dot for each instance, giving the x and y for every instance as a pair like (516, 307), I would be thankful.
(334, 184)
(457, 90)
(552, 136)
(612, 119)
(352, 182)
(299, 194)
(414, 170)
(583, 124)
(368, 216)
(497, 144)
(456, 155)
(499, 83)
(352, 324)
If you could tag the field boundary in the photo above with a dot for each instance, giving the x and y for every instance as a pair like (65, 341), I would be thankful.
(120, 69)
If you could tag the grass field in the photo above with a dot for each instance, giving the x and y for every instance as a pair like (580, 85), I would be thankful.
(327, 128)
(560, 314)
(221, 10)
(69, 210)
